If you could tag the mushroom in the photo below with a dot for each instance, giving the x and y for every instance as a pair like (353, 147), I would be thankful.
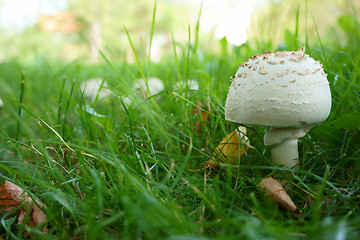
(287, 91)
(91, 89)
(155, 85)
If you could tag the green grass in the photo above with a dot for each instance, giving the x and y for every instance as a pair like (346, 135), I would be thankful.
(137, 172)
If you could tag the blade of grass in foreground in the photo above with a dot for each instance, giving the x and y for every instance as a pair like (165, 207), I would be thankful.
(60, 99)
(40, 120)
(151, 38)
(176, 59)
(64, 124)
(320, 42)
(197, 28)
(136, 59)
(22, 88)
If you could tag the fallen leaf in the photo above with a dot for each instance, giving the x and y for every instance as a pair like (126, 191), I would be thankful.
(230, 148)
(6, 202)
(274, 190)
(11, 196)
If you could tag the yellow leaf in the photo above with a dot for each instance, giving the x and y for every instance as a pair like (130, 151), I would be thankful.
(274, 190)
(230, 148)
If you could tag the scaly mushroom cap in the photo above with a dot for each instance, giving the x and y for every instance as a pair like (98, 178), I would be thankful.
(281, 89)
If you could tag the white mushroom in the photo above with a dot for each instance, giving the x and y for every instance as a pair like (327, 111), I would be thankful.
(91, 88)
(287, 91)
(155, 85)
(191, 84)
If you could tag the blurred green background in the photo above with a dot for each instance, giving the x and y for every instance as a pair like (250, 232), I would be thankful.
(76, 29)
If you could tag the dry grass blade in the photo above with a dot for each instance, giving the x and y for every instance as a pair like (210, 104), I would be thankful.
(274, 190)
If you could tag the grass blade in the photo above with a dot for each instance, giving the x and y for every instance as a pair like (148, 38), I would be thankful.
(151, 38)
(22, 89)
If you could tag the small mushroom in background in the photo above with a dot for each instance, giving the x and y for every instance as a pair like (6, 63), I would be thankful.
(287, 91)
(1, 103)
(141, 91)
(91, 88)
(190, 85)
(155, 85)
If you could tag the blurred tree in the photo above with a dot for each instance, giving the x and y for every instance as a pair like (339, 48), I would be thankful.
(91, 13)
(104, 21)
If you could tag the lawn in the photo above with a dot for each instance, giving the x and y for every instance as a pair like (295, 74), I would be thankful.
(115, 168)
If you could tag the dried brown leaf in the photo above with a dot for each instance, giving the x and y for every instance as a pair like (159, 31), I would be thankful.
(11, 196)
(274, 190)
(6, 202)
(230, 148)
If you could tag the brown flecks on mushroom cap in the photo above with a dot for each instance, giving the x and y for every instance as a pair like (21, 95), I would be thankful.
(304, 72)
(233, 85)
(281, 54)
(252, 57)
(262, 71)
(279, 74)
(297, 87)
(316, 70)
(295, 59)
(272, 62)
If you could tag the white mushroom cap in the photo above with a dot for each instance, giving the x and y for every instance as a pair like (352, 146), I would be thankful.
(281, 89)
(91, 89)
(155, 84)
(191, 84)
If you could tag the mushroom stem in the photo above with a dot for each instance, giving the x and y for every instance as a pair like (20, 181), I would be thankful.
(286, 153)
(284, 144)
